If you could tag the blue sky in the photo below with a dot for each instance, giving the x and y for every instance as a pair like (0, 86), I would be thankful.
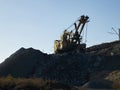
(37, 23)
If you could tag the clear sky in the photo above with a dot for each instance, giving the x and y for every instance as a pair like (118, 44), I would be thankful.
(37, 23)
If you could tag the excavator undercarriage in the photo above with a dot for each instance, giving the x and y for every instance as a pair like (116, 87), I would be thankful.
(71, 40)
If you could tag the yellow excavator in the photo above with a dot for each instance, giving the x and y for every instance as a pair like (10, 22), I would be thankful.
(71, 40)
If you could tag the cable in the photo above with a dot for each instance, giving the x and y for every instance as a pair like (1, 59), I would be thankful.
(69, 26)
(86, 33)
(72, 24)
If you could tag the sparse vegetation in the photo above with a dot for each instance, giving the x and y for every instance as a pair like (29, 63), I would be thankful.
(116, 85)
(11, 83)
(114, 76)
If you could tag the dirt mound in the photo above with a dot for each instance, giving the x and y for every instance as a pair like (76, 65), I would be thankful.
(23, 62)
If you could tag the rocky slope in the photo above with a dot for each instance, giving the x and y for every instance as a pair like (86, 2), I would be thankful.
(107, 49)
(74, 69)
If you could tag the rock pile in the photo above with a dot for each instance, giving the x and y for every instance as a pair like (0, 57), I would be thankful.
(73, 69)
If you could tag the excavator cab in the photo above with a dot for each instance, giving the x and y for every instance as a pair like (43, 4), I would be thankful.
(71, 41)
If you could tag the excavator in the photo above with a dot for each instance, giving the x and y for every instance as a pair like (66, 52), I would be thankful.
(72, 40)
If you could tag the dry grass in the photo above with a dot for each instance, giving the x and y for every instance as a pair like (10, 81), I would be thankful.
(115, 78)
(11, 83)
(116, 85)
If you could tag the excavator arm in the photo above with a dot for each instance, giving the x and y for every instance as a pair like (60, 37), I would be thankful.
(83, 20)
(77, 34)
